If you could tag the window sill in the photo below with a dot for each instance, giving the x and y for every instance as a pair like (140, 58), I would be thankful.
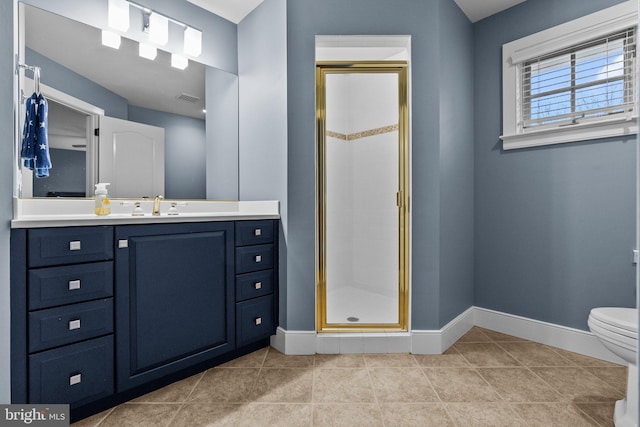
(579, 132)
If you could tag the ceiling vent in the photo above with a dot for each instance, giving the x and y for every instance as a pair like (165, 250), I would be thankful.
(188, 98)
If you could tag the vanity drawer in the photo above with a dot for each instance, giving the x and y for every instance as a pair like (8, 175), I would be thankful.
(254, 258)
(70, 323)
(73, 374)
(254, 319)
(58, 246)
(253, 285)
(52, 286)
(254, 232)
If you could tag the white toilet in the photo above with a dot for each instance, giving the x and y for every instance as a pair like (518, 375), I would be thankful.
(617, 329)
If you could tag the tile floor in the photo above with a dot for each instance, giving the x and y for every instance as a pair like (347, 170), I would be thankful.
(485, 379)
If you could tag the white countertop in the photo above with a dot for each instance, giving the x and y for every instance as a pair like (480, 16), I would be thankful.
(60, 212)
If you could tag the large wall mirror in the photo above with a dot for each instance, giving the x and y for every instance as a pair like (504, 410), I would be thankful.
(88, 84)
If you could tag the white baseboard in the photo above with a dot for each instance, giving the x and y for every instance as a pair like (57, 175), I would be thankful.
(559, 336)
(294, 342)
(439, 340)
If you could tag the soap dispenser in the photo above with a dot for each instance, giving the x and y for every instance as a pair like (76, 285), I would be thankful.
(103, 206)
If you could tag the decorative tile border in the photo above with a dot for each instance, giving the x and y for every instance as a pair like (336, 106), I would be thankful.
(363, 134)
(337, 135)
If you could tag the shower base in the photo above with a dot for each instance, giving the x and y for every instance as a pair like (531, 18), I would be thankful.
(348, 303)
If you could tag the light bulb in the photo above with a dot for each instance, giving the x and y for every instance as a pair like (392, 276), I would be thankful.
(192, 42)
(110, 39)
(145, 50)
(158, 29)
(119, 15)
(179, 61)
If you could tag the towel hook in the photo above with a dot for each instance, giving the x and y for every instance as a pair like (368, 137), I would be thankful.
(36, 76)
(36, 80)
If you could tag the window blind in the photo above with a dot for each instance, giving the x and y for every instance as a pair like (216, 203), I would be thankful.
(589, 81)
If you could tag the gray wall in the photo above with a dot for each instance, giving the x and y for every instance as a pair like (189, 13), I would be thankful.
(262, 72)
(184, 151)
(555, 226)
(222, 135)
(7, 105)
(456, 162)
(433, 265)
(68, 173)
(65, 80)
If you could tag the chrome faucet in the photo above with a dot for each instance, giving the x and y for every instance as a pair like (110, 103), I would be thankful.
(156, 206)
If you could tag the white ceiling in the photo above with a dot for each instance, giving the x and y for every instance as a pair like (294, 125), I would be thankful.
(236, 10)
(480, 9)
(231, 10)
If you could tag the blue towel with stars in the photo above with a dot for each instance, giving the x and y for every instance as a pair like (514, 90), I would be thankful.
(35, 147)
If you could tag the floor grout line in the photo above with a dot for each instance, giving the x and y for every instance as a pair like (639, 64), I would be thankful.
(442, 404)
(109, 411)
(202, 374)
(175, 414)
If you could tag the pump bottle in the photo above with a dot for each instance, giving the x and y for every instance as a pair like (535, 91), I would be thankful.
(103, 206)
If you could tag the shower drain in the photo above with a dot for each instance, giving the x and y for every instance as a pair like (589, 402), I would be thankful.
(353, 319)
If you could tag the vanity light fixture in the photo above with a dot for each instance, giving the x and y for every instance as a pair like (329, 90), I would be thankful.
(110, 39)
(192, 41)
(145, 50)
(178, 61)
(119, 15)
(157, 26)
(158, 29)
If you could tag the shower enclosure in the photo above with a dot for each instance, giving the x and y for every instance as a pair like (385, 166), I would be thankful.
(362, 189)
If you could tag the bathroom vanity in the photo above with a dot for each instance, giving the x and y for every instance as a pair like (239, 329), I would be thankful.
(118, 306)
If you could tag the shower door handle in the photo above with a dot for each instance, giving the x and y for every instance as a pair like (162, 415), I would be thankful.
(399, 199)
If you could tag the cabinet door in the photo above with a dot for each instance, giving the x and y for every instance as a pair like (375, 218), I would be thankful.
(174, 298)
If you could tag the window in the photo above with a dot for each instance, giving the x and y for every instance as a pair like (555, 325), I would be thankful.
(591, 80)
(573, 82)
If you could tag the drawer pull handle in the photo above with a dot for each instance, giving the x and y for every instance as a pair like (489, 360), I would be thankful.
(258, 320)
(74, 324)
(258, 258)
(257, 232)
(258, 285)
(75, 379)
(74, 284)
(75, 245)
(123, 243)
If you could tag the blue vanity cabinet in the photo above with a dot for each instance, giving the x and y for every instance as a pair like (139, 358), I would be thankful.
(62, 315)
(103, 314)
(174, 298)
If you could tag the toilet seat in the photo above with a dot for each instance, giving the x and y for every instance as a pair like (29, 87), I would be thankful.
(620, 320)
(624, 334)
(607, 333)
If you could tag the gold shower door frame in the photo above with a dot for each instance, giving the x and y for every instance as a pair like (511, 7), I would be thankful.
(388, 67)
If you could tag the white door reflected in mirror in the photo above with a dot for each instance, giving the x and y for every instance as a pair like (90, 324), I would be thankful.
(131, 158)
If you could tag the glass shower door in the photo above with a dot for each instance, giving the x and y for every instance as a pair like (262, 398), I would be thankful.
(362, 207)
